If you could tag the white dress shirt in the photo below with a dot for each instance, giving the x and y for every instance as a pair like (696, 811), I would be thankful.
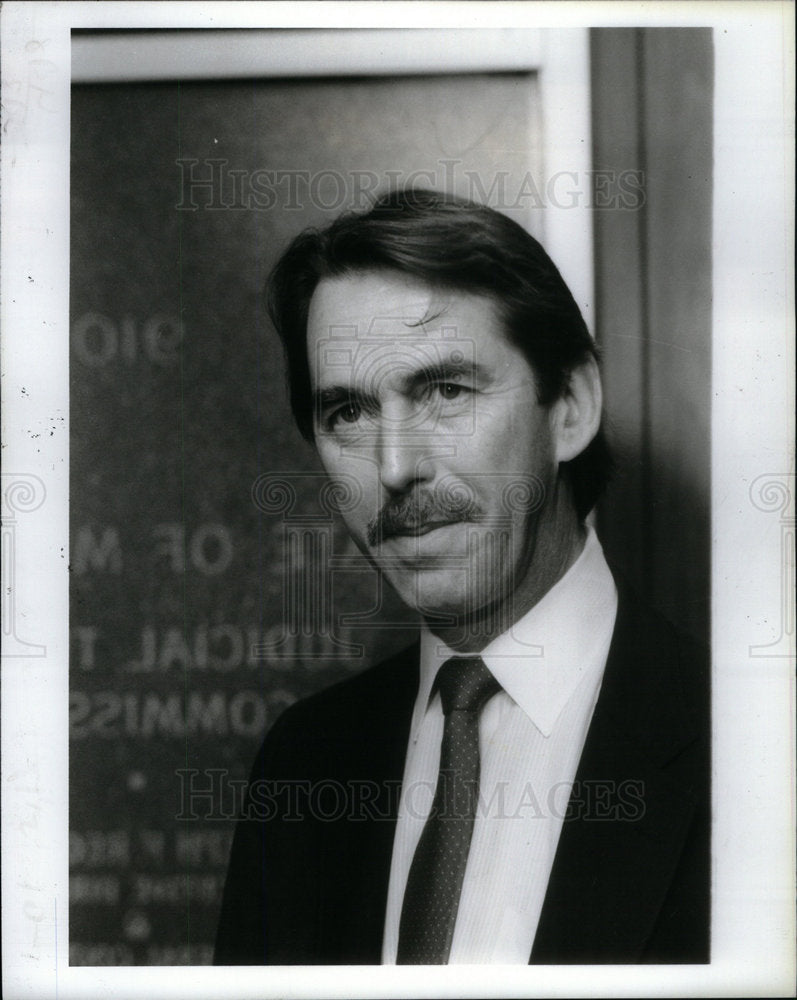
(531, 734)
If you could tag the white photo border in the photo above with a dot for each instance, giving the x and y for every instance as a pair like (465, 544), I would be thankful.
(753, 435)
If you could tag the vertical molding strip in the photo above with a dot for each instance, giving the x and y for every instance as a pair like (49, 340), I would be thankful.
(646, 498)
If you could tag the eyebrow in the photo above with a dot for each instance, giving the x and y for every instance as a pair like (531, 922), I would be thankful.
(339, 395)
(450, 369)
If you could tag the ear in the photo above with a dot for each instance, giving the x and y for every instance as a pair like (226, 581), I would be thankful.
(577, 413)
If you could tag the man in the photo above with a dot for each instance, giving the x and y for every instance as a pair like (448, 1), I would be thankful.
(529, 782)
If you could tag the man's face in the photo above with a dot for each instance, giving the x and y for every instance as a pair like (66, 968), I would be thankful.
(426, 409)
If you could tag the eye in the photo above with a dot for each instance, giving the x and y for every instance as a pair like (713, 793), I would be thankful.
(349, 414)
(449, 390)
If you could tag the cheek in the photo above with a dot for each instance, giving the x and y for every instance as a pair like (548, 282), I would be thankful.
(514, 440)
(531, 439)
(511, 469)
(353, 498)
(357, 520)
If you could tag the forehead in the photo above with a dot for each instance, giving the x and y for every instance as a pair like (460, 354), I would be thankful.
(357, 318)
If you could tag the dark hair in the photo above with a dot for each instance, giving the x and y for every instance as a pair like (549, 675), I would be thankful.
(451, 243)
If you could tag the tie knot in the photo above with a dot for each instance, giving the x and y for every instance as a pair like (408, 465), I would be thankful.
(465, 684)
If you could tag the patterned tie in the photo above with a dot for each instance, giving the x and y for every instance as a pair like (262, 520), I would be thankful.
(431, 898)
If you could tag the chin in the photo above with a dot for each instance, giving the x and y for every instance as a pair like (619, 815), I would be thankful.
(439, 592)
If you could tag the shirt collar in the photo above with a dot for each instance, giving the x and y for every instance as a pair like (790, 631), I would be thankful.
(559, 644)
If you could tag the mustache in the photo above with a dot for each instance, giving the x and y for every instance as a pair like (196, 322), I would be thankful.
(405, 514)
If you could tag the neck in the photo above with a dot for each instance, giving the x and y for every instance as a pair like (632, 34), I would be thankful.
(557, 545)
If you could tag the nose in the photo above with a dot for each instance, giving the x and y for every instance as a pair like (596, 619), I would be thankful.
(402, 457)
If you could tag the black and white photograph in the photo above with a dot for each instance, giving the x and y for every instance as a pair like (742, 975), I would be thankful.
(398, 499)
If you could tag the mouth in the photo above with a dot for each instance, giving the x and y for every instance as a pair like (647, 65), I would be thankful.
(416, 530)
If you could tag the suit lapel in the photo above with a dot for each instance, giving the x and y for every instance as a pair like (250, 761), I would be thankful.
(356, 872)
(629, 812)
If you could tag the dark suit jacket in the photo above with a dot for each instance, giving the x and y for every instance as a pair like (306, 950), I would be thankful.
(309, 869)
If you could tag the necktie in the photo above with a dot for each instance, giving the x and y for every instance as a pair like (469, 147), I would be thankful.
(431, 899)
